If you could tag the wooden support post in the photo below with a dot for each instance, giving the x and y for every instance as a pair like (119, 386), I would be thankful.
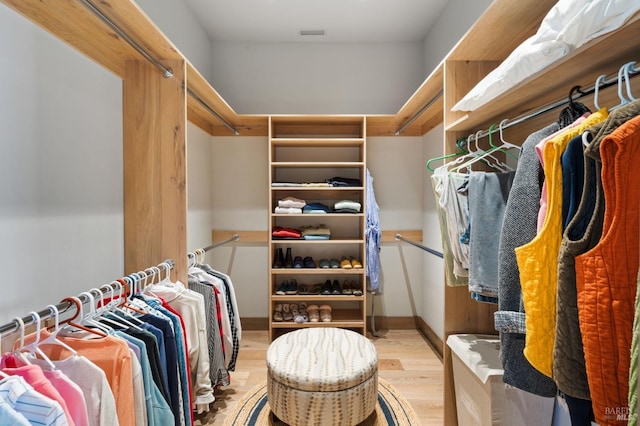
(155, 170)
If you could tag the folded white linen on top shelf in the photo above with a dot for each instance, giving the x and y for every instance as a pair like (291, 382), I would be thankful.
(568, 25)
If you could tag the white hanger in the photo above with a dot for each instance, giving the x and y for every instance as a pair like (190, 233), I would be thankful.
(52, 338)
(628, 67)
(33, 347)
(89, 318)
(18, 352)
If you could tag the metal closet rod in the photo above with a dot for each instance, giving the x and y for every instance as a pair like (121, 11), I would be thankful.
(62, 307)
(166, 71)
(417, 114)
(413, 243)
(224, 122)
(235, 237)
(550, 107)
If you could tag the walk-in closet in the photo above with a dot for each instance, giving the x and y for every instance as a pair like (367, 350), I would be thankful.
(193, 189)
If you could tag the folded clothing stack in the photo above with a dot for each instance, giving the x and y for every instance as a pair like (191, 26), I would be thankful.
(320, 232)
(347, 206)
(290, 205)
(316, 208)
(282, 233)
(343, 181)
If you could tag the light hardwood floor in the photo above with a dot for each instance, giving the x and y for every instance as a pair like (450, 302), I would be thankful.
(404, 359)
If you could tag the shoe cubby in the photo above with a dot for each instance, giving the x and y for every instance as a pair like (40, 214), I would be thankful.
(318, 162)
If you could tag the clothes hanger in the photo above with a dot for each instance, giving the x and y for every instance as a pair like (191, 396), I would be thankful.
(52, 338)
(573, 110)
(628, 68)
(621, 82)
(487, 157)
(89, 318)
(101, 314)
(18, 352)
(33, 348)
(596, 88)
(460, 151)
(505, 146)
(125, 318)
(79, 314)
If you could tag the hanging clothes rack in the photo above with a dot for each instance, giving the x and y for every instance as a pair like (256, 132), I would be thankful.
(417, 114)
(66, 307)
(166, 71)
(399, 237)
(235, 237)
(634, 71)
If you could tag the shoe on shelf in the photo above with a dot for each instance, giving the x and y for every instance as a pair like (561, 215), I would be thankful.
(303, 315)
(355, 263)
(286, 312)
(324, 263)
(277, 312)
(313, 313)
(288, 260)
(297, 262)
(316, 289)
(325, 313)
(303, 289)
(345, 263)
(282, 290)
(292, 288)
(335, 288)
(326, 288)
(334, 264)
(356, 288)
(346, 288)
(309, 263)
(278, 262)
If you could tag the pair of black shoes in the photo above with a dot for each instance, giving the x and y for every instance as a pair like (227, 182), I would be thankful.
(331, 288)
(282, 261)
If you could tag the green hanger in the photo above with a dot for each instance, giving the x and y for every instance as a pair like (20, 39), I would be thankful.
(459, 144)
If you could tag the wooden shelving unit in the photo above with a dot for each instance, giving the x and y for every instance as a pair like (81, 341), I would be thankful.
(313, 149)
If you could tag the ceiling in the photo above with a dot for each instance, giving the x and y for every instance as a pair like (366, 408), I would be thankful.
(345, 21)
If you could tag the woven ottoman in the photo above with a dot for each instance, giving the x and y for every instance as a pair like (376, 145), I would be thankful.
(322, 376)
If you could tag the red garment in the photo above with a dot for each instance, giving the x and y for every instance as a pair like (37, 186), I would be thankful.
(606, 278)
(280, 232)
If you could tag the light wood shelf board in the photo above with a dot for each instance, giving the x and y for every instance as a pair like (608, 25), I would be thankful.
(601, 56)
(313, 242)
(503, 26)
(321, 142)
(317, 271)
(307, 164)
(73, 23)
(245, 236)
(390, 236)
(321, 215)
(316, 298)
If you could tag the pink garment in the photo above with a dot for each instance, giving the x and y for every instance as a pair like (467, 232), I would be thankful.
(542, 213)
(72, 395)
(34, 375)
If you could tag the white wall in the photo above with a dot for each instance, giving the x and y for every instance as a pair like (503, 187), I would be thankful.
(176, 20)
(395, 164)
(454, 21)
(61, 224)
(433, 269)
(61, 220)
(316, 78)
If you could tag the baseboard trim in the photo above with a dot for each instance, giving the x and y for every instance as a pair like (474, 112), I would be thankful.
(255, 324)
(392, 323)
(432, 338)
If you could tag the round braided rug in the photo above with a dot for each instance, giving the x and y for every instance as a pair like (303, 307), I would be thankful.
(391, 410)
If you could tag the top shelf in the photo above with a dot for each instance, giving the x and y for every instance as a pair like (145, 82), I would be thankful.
(603, 55)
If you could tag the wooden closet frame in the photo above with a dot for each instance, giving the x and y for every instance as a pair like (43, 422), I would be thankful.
(156, 111)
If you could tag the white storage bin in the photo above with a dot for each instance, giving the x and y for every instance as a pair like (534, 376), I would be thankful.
(477, 374)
